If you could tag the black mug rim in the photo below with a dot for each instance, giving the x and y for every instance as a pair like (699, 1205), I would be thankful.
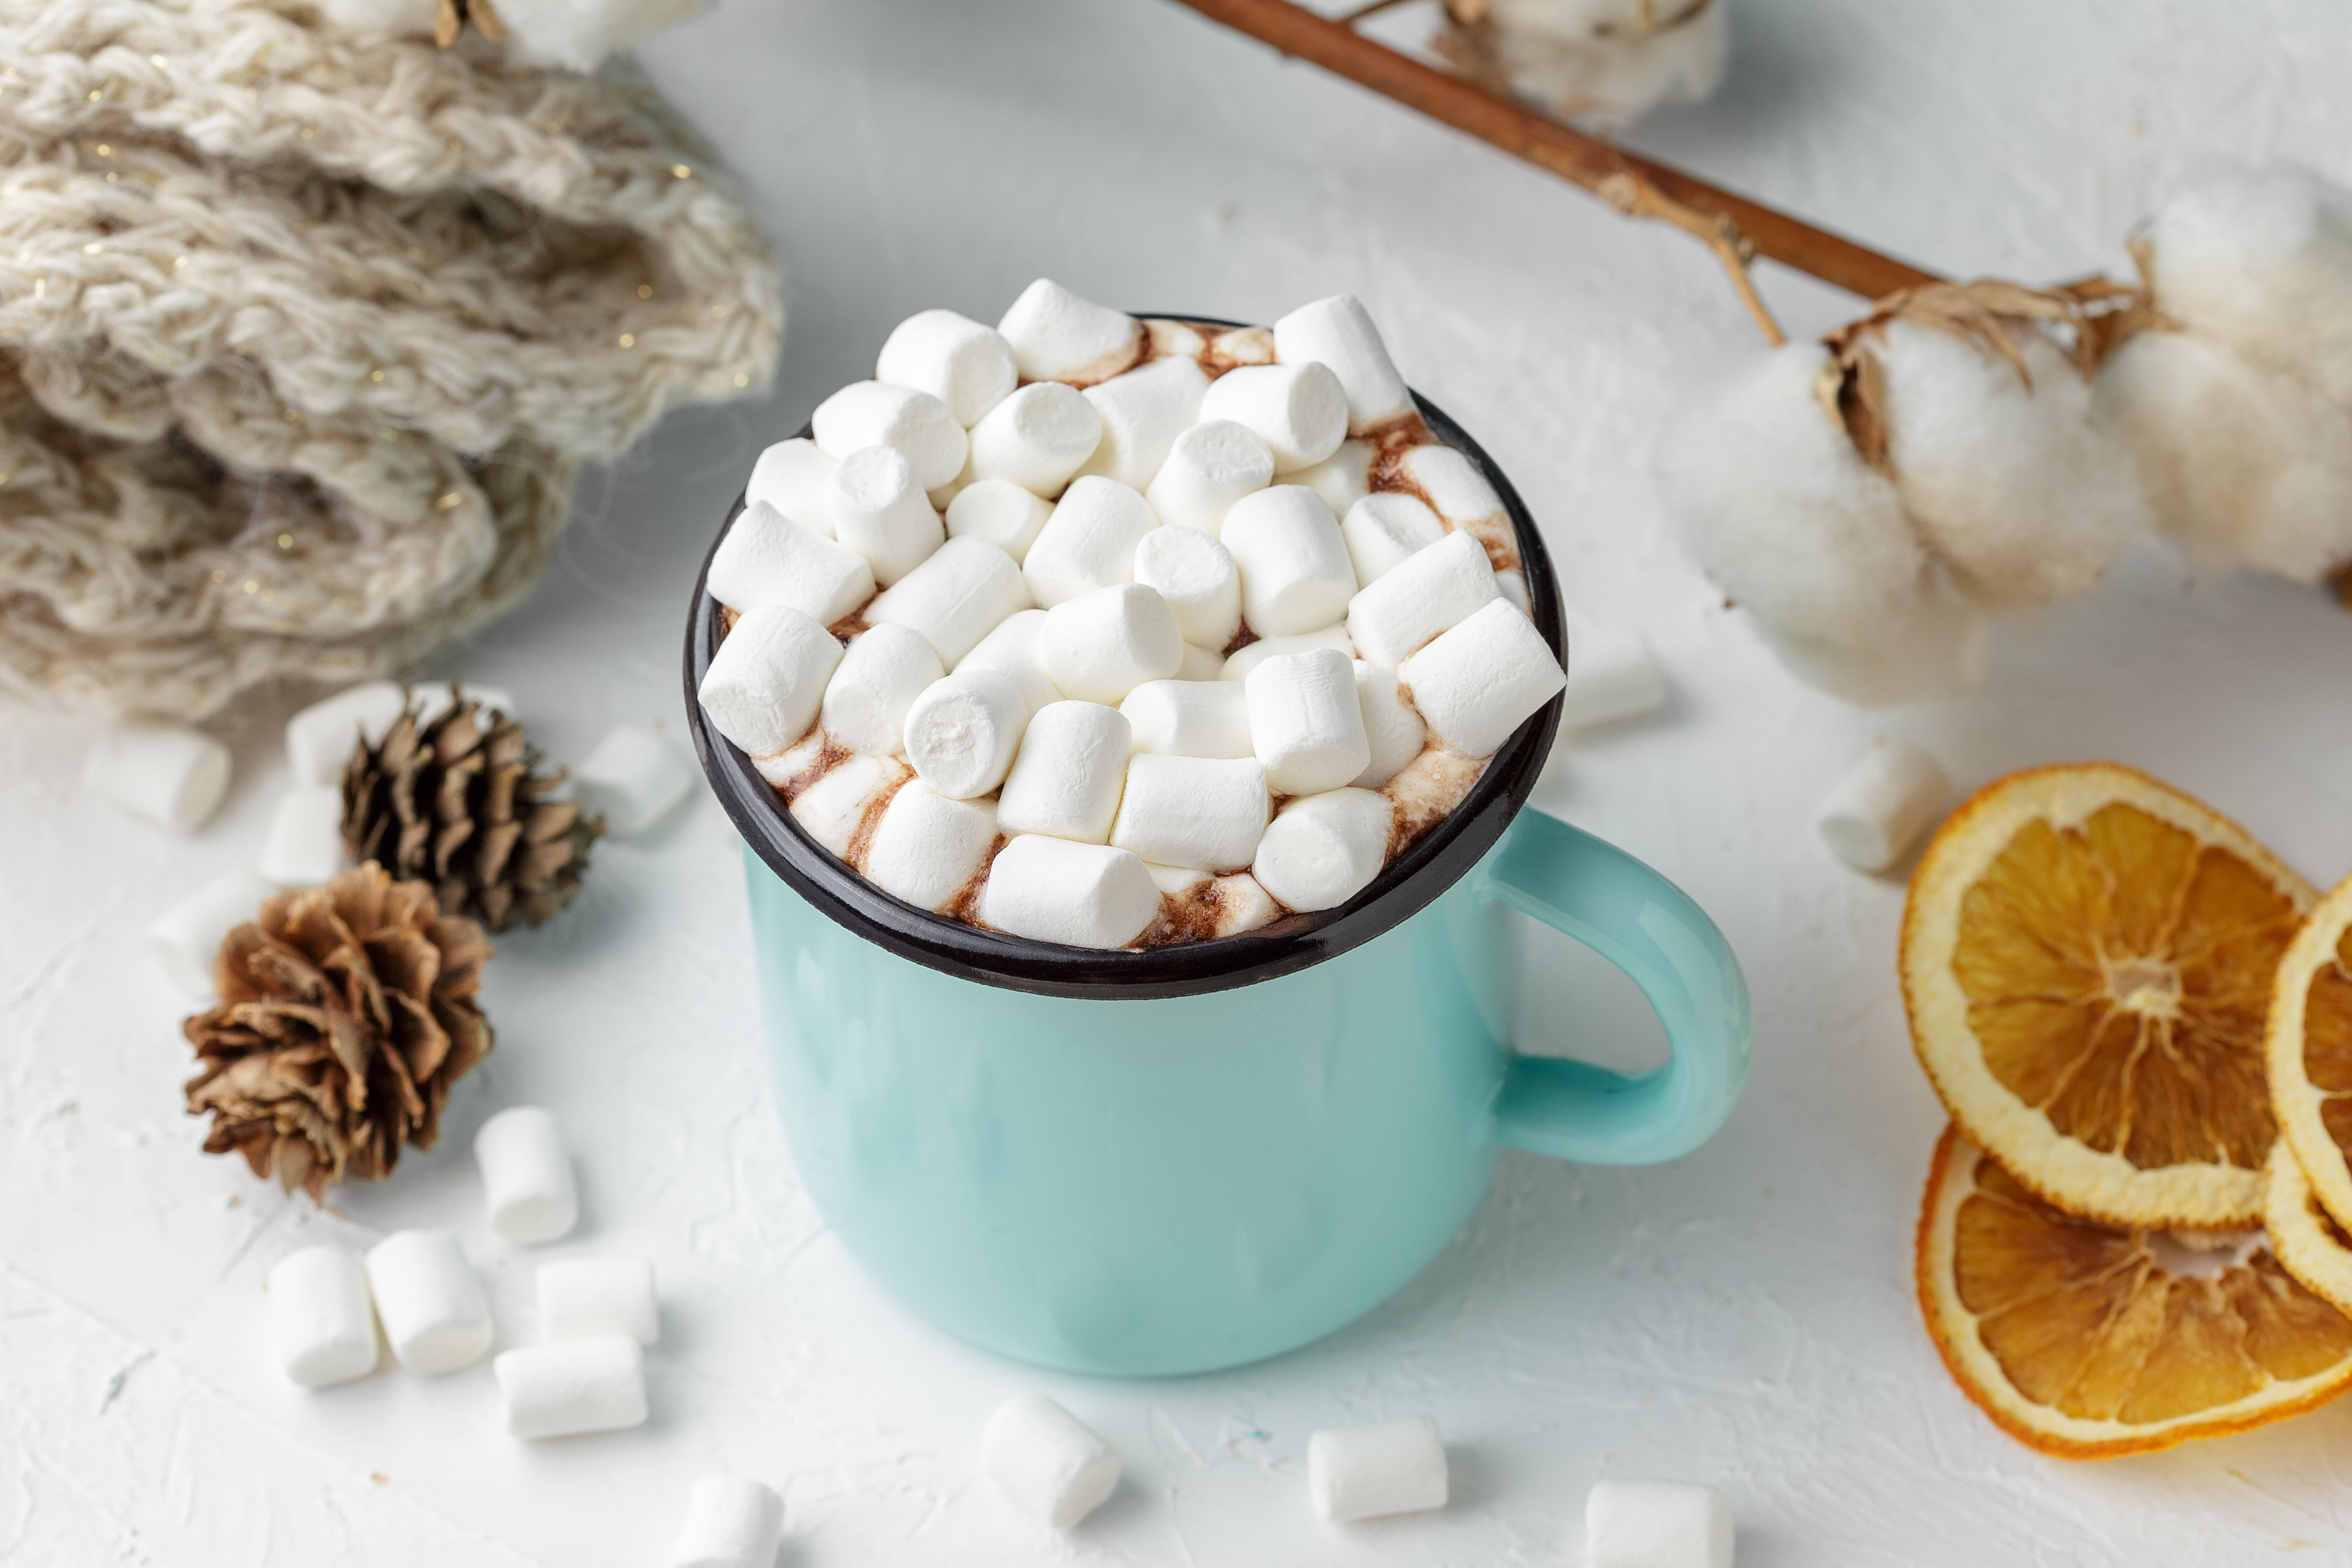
(1404, 888)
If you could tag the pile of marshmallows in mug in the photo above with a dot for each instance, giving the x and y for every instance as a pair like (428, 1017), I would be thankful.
(1212, 627)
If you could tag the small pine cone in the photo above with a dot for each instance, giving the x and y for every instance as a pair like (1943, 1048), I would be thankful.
(346, 1012)
(458, 802)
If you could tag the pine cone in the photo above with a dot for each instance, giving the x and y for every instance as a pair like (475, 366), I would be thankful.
(458, 804)
(346, 1012)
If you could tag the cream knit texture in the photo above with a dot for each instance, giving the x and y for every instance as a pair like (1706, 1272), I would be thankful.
(304, 334)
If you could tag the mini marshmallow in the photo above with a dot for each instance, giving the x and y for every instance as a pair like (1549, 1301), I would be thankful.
(1473, 685)
(1434, 590)
(305, 847)
(1244, 659)
(886, 669)
(1174, 340)
(767, 559)
(1323, 849)
(319, 1318)
(579, 1385)
(1036, 438)
(1201, 812)
(1513, 585)
(1342, 480)
(916, 424)
(795, 761)
(961, 731)
(1000, 512)
(1057, 336)
(1242, 345)
(955, 598)
(766, 684)
(1657, 1524)
(1339, 333)
(320, 738)
(1383, 529)
(1055, 889)
(1880, 809)
(1065, 781)
(1208, 469)
(928, 848)
(1393, 730)
(632, 779)
(583, 1297)
(1198, 578)
(1611, 675)
(1012, 647)
(1453, 484)
(1088, 542)
(1143, 412)
(526, 1176)
(796, 478)
(1296, 575)
(1232, 904)
(1200, 663)
(835, 808)
(1300, 410)
(1307, 724)
(1101, 646)
(1189, 717)
(1366, 1472)
(965, 366)
(431, 1305)
(186, 938)
(879, 512)
(731, 1521)
(1051, 1464)
(172, 776)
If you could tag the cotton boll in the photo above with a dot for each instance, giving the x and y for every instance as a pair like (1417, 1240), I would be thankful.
(2260, 260)
(1596, 58)
(2240, 464)
(2025, 497)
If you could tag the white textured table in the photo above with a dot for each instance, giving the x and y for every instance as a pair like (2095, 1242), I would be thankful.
(1744, 1316)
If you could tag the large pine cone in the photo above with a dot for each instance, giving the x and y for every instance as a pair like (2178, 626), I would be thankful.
(346, 1012)
(458, 802)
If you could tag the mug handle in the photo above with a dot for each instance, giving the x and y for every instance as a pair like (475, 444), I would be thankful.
(1650, 929)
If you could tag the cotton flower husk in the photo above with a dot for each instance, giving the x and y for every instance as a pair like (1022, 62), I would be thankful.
(2260, 260)
(1609, 61)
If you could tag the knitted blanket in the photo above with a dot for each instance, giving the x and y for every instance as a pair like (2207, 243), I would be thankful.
(303, 336)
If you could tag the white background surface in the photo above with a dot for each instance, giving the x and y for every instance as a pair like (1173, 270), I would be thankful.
(1743, 1317)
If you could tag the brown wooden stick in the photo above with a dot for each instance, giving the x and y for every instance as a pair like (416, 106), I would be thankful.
(1598, 165)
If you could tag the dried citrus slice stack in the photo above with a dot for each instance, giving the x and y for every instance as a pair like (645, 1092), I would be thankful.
(2088, 1340)
(2306, 1237)
(2310, 1050)
(2087, 958)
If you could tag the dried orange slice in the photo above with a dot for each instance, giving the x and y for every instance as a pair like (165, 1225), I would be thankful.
(2089, 1340)
(2086, 961)
(2310, 1049)
(2307, 1238)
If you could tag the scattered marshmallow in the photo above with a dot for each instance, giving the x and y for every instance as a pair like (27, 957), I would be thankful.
(1051, 1464)
(527, 1176)
(914, 424)
(1101, 646)
(429, 1301)
(1880, 809)
(796, 478)
(1208, 469)
(186, 938)
(954, 598)
(1143, 412)
(1299, 411)
(1342, 480)
(967, 366)
(320, 1317)
(575, 1386)
(928, 846)
(583, 1297)
(1384, 529)
(767, 559)
(767, 682)
(1057, 336)
(632, 779)
(1323, 849)
(1474, 684)
(835, 809)
(1244, 659)
(1368, 1472)
(1198, 578)
(1012, 647)
(1065, 781)
(880, 511)
(1200, 663)
(1338, 332)
(1611, 675)
(305, 846)
(1657, 1524)
(961, 731)
(1296, 575)
(172, 776)
(431, 701)
(1088, 542)
(1202, 812)
(1189, 717)
(1434, 590)
(1307, 724)
(1000, 512)
(1392, 728)
(1081, 895)
(878, 680)
(320, 738)
(731, 1521)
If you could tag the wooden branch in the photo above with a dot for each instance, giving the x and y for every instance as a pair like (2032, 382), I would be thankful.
(1602, 167)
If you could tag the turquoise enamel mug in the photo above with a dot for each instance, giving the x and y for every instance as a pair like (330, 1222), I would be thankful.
(1152, 1163)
